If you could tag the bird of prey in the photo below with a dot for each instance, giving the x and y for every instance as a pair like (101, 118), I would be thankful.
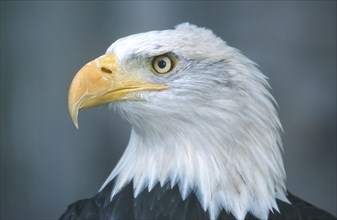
(205, 140)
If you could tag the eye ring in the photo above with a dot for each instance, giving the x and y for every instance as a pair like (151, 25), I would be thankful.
(162, 64)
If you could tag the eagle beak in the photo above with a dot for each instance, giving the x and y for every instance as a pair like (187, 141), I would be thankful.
(100, 81)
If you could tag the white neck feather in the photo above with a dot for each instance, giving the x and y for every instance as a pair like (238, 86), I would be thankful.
(230, 161)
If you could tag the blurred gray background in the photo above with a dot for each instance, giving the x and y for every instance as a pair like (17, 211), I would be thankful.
(47, 164)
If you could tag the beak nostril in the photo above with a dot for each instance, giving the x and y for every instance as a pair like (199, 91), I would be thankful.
(106, 70)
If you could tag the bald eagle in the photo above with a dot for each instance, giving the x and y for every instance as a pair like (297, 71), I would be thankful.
(205, 140)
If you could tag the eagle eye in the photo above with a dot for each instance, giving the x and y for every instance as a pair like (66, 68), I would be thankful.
(162, 64)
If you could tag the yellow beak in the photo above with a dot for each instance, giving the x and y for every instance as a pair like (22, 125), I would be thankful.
(99, 82)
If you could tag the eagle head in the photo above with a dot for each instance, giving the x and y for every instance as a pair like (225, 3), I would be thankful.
(202, 116)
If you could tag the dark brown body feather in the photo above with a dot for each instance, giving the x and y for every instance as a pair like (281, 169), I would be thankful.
(166, 203)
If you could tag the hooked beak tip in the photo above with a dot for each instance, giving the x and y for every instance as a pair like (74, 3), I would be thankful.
(74, 116)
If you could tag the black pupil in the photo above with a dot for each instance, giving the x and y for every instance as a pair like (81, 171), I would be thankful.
(162, 64)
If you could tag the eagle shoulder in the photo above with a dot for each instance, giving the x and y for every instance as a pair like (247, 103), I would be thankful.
(164, 202)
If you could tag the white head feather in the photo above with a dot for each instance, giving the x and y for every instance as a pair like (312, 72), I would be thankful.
(214, 131)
